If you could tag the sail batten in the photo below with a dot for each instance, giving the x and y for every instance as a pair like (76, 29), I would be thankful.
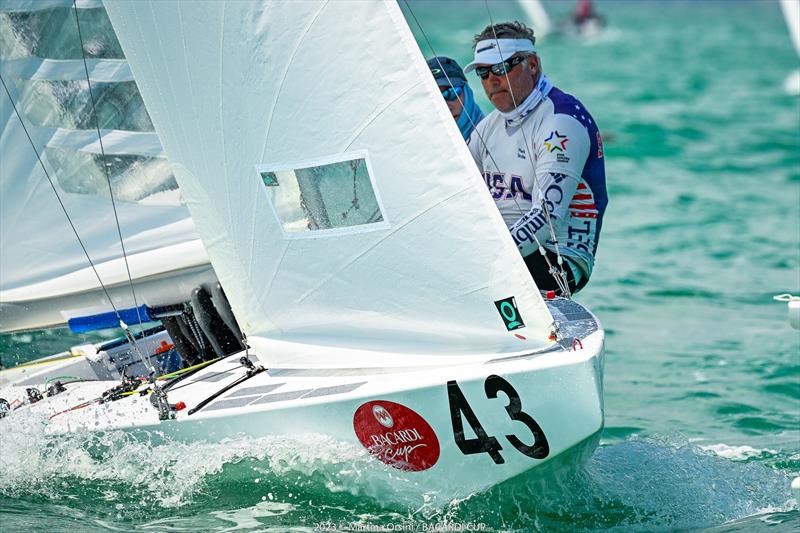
(41, 5)
(100, 70)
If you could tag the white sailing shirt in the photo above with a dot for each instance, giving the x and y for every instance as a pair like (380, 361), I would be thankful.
(562, 163)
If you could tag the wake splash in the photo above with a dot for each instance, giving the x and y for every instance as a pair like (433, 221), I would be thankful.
(119, 479)
(641, 484)
(147, 471)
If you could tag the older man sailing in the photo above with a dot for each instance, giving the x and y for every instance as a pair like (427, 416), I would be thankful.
(541, 155)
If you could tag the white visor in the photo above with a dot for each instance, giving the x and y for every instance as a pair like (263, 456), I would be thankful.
(492, 51)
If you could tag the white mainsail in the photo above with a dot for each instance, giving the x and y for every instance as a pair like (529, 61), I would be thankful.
(45, 277)
(336, 198)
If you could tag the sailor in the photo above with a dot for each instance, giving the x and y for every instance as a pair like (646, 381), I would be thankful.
(583, 12)
(456, 93)
(539, 149)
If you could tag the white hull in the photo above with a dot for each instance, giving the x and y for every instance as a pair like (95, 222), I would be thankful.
(533, 409)
(559, 389)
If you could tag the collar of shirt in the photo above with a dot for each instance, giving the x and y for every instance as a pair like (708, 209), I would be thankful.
(514, 118)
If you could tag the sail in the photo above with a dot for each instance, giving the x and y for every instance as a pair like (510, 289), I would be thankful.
(537, 16)
(45, 277)
(791, 12)
(336, 198)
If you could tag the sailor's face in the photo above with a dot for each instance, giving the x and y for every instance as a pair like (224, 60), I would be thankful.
(520, 83)
(455, 106)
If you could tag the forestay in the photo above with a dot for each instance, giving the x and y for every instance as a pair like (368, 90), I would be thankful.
(44, 275)
(334, 194)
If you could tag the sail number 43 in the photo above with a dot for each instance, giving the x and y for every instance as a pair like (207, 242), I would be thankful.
(483, 443)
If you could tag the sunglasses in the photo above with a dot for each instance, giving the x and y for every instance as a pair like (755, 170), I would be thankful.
(452, 93)
(499, 69)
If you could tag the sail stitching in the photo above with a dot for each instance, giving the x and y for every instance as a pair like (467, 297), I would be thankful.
(372, 118)
(286, 72)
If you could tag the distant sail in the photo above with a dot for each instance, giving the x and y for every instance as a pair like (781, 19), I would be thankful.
(538, 17)
(44, 275)
(791, 12)
(330, 185)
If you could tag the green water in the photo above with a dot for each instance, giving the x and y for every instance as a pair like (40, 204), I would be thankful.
(702, 376)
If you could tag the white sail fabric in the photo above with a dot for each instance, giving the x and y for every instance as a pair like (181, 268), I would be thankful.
(336, 198)
(791, 12)
(539, 20)
(41, 261)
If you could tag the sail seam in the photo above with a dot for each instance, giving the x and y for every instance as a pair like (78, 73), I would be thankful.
(135, 143)
(372, 118)
(199, 131)
(272, 281)
(331, 275)
(224, 152)
(45, 69)
(285, 73)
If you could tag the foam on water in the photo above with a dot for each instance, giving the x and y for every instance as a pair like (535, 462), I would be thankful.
(640, 484)
(737, 452)
(131, 470)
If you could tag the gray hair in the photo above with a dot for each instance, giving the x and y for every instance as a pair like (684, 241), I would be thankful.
(505, 30)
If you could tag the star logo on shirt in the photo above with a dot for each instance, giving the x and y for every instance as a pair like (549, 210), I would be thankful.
(556, 142)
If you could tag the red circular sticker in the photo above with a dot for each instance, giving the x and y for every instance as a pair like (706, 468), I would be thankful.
(396, 435)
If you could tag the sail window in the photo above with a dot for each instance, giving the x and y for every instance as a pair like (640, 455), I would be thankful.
(53, 34)
(67, 104)
(133, 178)
(331, 196)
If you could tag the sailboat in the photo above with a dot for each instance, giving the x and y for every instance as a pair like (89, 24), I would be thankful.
(379, 296)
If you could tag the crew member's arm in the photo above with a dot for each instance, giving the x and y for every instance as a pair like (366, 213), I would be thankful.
(562, 147)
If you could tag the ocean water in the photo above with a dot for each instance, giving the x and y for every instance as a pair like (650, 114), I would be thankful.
(702, 377)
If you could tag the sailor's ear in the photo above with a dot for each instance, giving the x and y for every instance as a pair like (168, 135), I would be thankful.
(534, 64)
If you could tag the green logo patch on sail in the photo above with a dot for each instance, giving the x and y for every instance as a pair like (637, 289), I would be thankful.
(269, 179)
(509, 313)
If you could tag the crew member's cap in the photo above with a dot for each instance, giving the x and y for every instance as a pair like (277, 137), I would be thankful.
(443, 68)
(493, 51)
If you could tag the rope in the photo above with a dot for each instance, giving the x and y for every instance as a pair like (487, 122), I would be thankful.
(72, 378)
(189, 369)
(194, 328)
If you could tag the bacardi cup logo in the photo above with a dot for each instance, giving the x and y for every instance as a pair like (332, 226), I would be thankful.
(382, 416)
(402, 439)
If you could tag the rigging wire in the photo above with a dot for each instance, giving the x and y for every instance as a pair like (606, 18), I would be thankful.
(560, 277)
(148, 364)
(460, 100)
(560, 280)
